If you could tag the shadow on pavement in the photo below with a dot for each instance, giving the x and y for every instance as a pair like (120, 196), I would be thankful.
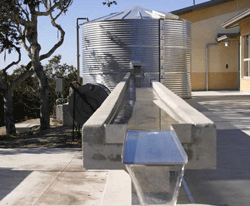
(16, 151)
(10, 179)
(230, 183)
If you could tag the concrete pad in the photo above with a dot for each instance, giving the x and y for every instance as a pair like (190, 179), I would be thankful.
(75, 188)
(30, 189)
(118, 189)
(218, 93)
(48, 177)
(36, 159)
(246, 132)
(195, 205)
(26, 127)
(229, 184)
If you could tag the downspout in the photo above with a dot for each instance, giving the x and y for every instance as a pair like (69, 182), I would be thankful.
(77, 47)
(207, 62)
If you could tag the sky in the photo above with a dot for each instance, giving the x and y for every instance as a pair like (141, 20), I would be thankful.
(91, 9)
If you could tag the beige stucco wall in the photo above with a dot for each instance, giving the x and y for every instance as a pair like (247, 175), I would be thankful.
(221, 9)
(223, 66)
(244, 30)
(203, 33)
(245, 27)
(245, 85)
(206, 24)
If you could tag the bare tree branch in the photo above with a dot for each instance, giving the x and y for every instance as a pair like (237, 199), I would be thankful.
(62, 10)
(24, 11)
(14, 62)
(58, 44)
(23, 42)
(49, 8)
(58, 15)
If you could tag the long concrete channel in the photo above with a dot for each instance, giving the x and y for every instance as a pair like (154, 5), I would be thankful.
(151, 108)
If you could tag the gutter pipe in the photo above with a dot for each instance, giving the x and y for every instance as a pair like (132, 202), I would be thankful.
(77, 47)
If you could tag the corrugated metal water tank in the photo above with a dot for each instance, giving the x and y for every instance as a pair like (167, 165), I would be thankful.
(159, 42)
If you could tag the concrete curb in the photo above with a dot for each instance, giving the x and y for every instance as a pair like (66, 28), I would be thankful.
(178, 108)
(97, 153)
(118, 189)
(196, 132)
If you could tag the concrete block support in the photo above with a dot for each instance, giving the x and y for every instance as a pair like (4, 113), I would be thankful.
(63, 115)
(196, 132)
(100, 149)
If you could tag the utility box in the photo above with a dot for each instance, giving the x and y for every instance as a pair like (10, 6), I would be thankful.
(155, 161)
(59, 85)
(63, 115)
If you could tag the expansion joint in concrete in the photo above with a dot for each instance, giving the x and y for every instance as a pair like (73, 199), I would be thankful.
(55, 179)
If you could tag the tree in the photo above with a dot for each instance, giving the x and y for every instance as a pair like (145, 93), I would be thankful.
(9, 41)
(6, 87)
(109, 3)
(54, 69)
(25, 96)
(25, 14)
(26, 99)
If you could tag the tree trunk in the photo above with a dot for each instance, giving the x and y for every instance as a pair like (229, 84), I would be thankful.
(8, 113)
(44, 99)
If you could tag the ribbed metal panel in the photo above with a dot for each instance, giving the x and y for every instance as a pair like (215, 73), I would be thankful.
(178, 83)
(110, 46)
(160, 42)
(175, 56)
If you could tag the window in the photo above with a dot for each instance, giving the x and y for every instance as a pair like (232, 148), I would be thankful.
(246, 56)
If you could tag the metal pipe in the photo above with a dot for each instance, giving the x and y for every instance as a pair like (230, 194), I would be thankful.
(77, 45)
(207, 62)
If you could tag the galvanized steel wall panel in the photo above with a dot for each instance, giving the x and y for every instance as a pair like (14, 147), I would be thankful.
(110, 46)
(175, 56)
(161, 45)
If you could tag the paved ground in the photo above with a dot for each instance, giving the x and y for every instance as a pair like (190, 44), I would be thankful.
(230, 183)
(48, 177)
(55, 176)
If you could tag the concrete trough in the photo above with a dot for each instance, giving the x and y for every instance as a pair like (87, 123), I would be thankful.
(102, 145)
(103, 141)
(196, 132)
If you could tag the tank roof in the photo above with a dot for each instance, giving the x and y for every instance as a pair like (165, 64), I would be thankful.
(137, 13)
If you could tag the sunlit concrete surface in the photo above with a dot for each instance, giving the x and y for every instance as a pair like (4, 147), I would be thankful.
(56, 177)
(229, 110)
(48, 177)
(229, 184)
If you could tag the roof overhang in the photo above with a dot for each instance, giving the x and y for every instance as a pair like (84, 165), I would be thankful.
(199, 6)
(235, 20)
(224, 37)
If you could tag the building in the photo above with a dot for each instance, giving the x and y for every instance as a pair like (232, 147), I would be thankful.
(215, 63)
(242, 20)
